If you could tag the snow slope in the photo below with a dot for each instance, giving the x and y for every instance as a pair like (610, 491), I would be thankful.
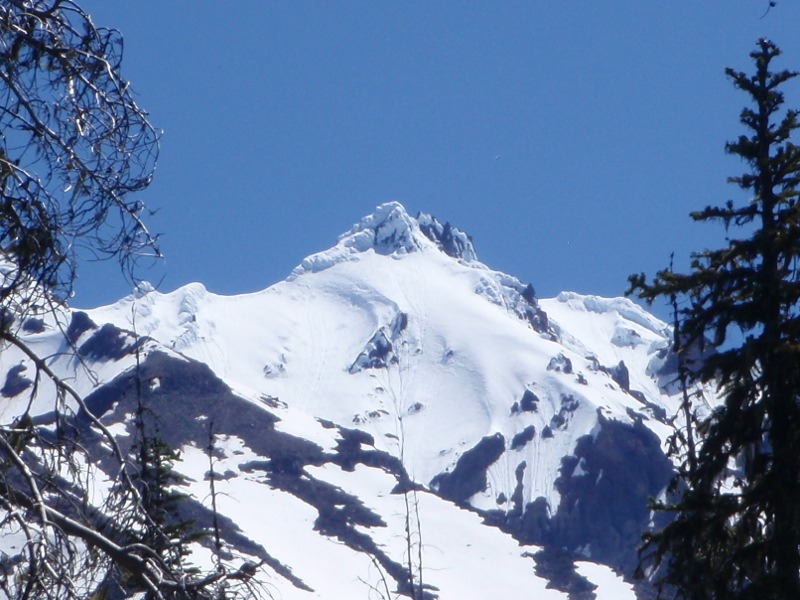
(453, 372)
(397, 356)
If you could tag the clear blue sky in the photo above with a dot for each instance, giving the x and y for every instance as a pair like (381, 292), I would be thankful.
(570, 139)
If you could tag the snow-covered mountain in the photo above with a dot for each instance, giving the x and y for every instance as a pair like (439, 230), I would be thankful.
(392, 382)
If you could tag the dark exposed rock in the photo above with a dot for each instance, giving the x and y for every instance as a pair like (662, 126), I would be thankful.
(33, 325)
(358, 447)
(658, 412)
(392, 230)
(529, 402)
(415, 408)
(510, 520)
(191, 388)
(78, 325)
(109, 343)
(529, 295)
(605, 488)
(399, 324)
(557, 567)
(16, 382)
(523, 437)
(560, 364)
(450, 240)
(605, 507)
(516, 497)
(634, 416)
(468, 477)
(273, 401)
(537, 318)
(536, 523)
(569, 403)
(621, 375)
(377, 354)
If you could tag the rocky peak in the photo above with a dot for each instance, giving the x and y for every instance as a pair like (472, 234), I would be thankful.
(391, 230)
(450, 240)
(388, 230)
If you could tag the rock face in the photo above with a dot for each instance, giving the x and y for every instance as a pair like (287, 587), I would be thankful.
(392, 390)
(191, 388)
(379, 351)
(449, 239)
(468, 477)
(16, 381)
(605, 486)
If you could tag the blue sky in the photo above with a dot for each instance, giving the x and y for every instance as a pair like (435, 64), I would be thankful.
(570, 139)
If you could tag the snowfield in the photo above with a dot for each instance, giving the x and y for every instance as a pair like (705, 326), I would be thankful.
(395, 382)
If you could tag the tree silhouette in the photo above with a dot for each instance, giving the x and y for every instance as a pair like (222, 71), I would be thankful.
(74, 147)
(736, 532)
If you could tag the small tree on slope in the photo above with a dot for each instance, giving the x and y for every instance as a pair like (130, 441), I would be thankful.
(736, 532)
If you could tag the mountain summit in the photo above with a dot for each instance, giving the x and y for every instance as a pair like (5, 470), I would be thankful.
(390, 230)
(395, 412)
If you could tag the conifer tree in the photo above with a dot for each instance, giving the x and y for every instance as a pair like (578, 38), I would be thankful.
(736, 532)
(165, 530)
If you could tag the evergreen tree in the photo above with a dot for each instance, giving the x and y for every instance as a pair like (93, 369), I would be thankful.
(162, 528)
(736, 532)
(166, 531)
